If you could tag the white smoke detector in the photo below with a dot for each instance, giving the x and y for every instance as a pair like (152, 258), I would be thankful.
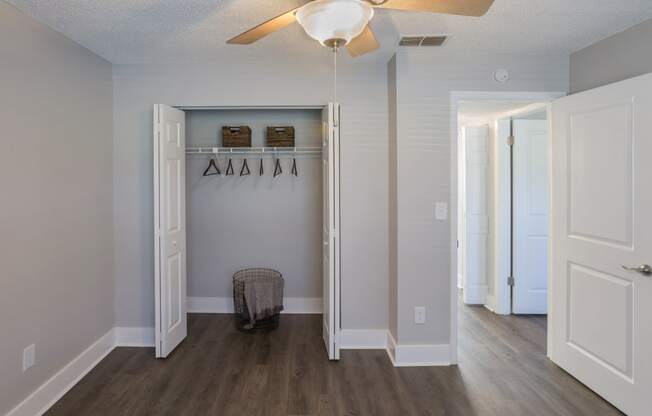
(501, 76)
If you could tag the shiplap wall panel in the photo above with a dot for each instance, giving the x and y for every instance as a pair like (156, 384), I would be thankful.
(425, 80)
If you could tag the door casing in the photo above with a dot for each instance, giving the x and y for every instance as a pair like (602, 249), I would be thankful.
(254, 107)
(455, 98)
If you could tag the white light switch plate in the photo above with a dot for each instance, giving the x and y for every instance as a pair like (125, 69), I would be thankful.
(419, 315)
(29, 357)
(441, 211)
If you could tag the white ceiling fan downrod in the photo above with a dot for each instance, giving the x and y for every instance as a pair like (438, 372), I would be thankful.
(335, 73)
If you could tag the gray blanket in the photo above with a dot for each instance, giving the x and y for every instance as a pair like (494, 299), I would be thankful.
(264, 298)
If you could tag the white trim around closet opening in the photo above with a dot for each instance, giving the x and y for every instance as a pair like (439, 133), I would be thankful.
(247, 107)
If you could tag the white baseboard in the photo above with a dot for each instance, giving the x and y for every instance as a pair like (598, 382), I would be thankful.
(209, 305)
(363, 339)
(475, 295)
(54, 388)
(391, 348)
(491, 303)
(426, 355)
(59, 384)
(225, 305)
(133, 336)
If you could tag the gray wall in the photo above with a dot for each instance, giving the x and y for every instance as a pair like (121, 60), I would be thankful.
(425, 151)
(363, 95)
(621, 56)
(236, 222)
(56, 287)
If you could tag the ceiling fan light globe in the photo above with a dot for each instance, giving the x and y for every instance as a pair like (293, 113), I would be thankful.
(339, 20)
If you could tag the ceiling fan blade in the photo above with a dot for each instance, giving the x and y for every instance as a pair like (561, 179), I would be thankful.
(365, 42)
(264, 29)
(459, 7)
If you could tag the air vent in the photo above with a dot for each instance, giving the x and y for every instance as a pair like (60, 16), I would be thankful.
(410, 41)
(422, 40)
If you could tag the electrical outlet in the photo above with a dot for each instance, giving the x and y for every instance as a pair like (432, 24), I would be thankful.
(419, 315)
(29, 357)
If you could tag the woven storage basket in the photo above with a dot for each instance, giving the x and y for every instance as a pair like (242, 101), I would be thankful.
(280, 136)
(236, 136)
(239, 302)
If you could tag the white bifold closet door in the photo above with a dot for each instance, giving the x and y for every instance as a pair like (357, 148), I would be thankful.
(601, 313)
(169, 228)
(331, 229)
(530, 216)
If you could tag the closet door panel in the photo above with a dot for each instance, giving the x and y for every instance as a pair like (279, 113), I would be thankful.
(170, 228)
(331, 239)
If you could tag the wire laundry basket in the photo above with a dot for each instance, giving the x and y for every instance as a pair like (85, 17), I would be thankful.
(240, 278)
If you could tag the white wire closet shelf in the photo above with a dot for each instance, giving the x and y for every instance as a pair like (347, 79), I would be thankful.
(257, 151)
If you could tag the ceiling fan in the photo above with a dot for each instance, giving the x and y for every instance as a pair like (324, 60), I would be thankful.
(336, 23)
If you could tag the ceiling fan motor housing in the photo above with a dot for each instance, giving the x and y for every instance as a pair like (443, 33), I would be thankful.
(334, 22)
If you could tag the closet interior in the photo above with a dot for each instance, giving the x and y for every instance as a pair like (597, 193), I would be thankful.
(221, 209)
(255, 206)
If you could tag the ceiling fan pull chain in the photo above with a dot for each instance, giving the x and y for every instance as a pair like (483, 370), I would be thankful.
(335, 73)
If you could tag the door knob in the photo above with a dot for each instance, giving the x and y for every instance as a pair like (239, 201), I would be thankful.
(644, 269)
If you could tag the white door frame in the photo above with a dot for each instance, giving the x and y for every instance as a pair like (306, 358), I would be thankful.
(455, 98)
(338, 305)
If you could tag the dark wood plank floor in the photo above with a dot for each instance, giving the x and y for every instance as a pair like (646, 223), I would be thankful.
(220, 371)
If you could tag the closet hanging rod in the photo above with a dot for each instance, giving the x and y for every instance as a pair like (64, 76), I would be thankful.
(300, 150)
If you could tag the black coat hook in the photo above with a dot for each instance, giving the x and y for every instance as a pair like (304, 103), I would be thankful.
(212, 164)
(244, 171)
(229, 168)
(277, 168)
(261, 168)
(294, 171)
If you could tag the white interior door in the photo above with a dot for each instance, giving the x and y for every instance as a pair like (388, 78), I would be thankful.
(169, 228)
(601, 221)
(476, 178)
(530, 217)
(502, 213)
(461, 203)
(331, 236)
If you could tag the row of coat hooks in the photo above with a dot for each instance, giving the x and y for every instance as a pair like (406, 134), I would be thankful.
(214, 169)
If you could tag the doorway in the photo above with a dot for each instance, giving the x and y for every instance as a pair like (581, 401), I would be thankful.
(171, 147)
(503, 205)
(482, 223)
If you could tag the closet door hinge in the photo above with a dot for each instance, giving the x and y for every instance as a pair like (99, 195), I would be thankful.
(510, 141)
(510, 280)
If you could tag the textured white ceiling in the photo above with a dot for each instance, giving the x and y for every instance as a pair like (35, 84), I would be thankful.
(152, 31)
